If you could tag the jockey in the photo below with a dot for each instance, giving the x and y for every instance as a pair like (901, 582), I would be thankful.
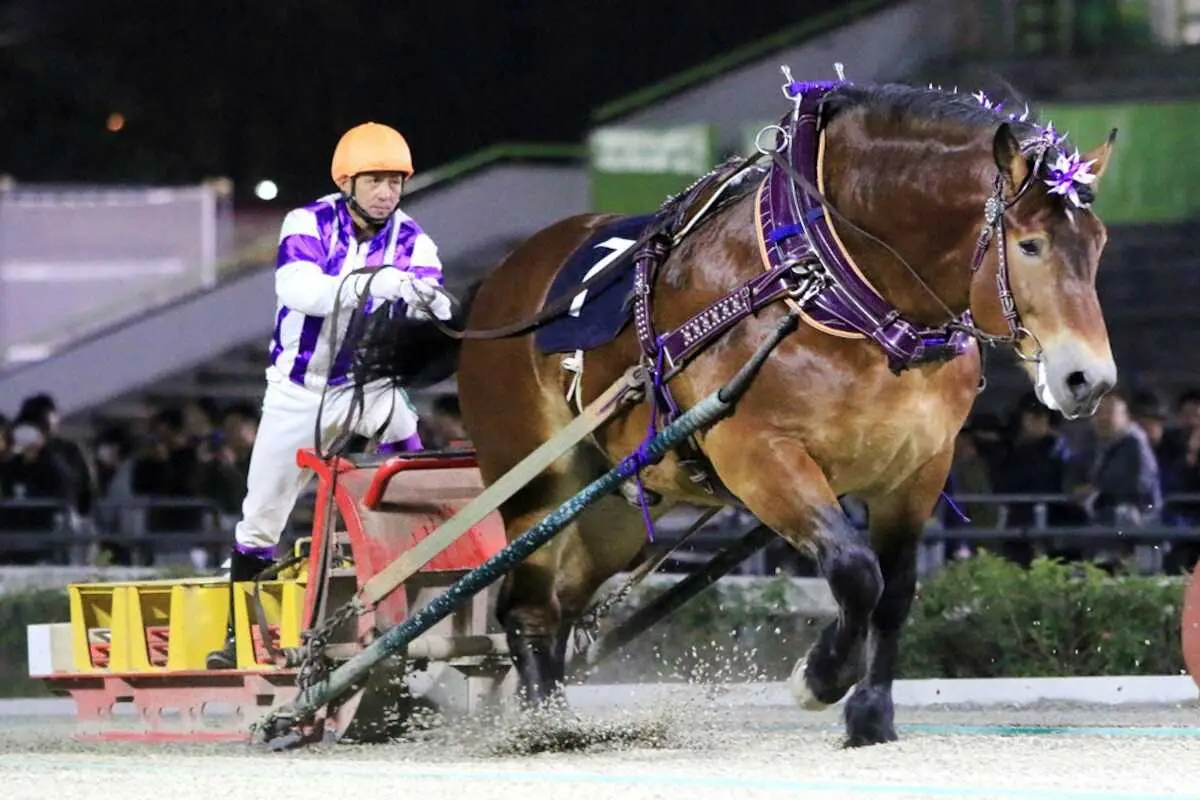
(320, 244)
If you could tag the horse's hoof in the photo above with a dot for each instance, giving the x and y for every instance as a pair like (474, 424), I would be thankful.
(870, 717)
(801, 691)
(862, 740)
(816, 695)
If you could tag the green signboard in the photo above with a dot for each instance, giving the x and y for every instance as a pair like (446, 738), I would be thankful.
(633, 169)
(1154, 176)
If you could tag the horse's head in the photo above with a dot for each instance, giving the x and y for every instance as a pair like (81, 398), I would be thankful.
(1048, 244)
(921, 169)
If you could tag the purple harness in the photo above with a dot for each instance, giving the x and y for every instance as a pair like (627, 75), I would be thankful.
(804, 262)
(795, 230)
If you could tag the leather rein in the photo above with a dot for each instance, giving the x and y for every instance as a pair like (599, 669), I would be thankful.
(993, 229)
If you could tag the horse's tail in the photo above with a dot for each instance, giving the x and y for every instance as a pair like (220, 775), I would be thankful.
(412, 354)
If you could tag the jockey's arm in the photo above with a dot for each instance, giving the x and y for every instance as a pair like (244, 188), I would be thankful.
(425, 264)
(300, 283)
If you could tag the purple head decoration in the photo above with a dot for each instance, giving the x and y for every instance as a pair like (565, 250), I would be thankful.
(1064, 173)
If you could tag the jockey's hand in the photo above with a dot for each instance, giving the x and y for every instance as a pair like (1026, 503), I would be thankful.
(419, 296)
(393, 285)
(389, 284)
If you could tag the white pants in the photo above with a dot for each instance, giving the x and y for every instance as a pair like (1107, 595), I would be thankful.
(289, 417)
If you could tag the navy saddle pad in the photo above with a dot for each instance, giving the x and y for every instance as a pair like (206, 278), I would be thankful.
(597, 314)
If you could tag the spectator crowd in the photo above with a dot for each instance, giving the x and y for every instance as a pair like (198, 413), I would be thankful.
(198, 450)
(1135, 462)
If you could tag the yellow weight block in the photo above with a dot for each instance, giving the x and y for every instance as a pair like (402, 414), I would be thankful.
(199, 614)
(172, 625)
(92, 621)
(143, 630)
(291, 613)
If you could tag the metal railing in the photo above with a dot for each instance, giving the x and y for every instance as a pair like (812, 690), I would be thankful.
(142, 525)
(149, 529)
(1148, 539)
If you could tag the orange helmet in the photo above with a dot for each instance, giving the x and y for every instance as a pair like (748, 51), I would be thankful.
(370, 147)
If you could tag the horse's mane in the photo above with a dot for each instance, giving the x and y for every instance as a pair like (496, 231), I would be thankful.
(955, 109)
(931, 104)
(897, 100)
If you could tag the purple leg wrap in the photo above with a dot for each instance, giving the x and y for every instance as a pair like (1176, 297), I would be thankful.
(263, 553)
(410, 445)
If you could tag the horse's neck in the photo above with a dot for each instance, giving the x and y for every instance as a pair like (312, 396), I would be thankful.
(920, 197)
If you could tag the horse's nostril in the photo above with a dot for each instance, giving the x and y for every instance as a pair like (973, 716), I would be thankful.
(1079, 385)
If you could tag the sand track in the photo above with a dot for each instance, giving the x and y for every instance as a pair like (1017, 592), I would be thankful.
(675, 749)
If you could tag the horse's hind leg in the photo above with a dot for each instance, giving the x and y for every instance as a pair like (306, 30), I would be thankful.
(897, 520)
(527, 605)
(786, 490)
(544, 596)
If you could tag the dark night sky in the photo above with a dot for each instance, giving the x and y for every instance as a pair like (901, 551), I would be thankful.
(254, 90)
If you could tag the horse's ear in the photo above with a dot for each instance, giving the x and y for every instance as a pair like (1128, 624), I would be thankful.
(1009, 159)
(1101, 154)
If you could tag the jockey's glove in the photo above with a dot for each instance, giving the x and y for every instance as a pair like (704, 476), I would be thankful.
(424, 300)
(393, 285)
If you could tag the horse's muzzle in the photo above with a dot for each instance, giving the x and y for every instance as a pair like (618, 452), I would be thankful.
(1072, 381)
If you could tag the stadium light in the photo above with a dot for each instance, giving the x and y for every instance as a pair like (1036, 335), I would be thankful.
(266, 190)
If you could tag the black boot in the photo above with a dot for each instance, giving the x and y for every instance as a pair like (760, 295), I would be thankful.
(242, 567)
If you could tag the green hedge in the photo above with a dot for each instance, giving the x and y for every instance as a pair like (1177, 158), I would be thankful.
(16, 611)
(982, 617)
(978, 618)
(986, 617)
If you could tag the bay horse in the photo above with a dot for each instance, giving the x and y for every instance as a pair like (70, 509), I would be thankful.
(907, 227)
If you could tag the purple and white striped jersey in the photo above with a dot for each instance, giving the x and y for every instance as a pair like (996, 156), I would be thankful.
(317, 246)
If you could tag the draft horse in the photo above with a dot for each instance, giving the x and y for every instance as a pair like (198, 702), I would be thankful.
(906, 227)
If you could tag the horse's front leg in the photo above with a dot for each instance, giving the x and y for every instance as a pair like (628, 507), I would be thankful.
(897, 520)
(786, 490)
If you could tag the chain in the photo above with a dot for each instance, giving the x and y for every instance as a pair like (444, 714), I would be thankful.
(314, 666)
(587, 629)
(312, 669)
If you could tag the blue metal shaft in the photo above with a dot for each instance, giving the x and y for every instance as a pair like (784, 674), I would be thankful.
(708, 411)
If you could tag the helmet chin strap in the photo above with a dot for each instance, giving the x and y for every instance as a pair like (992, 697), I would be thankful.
(376, 222)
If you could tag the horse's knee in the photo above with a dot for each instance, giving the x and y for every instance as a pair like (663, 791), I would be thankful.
(835, 661)
(854, 578)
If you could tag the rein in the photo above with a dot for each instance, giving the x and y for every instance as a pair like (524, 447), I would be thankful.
(563, 303)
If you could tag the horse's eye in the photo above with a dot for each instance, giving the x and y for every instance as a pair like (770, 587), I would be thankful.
(1031, 247)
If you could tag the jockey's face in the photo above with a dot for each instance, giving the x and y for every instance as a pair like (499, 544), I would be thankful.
(377, 192)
